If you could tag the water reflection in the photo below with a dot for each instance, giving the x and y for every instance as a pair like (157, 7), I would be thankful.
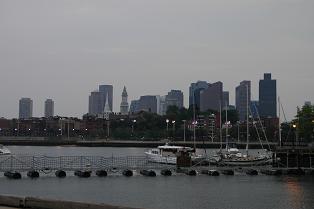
(295, 192)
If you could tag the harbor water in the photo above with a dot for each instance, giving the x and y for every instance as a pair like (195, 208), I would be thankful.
(179, 191)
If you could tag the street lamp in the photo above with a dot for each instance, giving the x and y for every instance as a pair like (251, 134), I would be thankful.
(133, 122)
(173, 127)
(167, 121)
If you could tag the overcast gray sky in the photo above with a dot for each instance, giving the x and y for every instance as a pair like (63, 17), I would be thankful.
(64, 49)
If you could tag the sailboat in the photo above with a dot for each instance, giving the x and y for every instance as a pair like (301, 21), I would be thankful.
(233, 157)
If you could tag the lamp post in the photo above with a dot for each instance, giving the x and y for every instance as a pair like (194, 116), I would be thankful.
(296, 133)
(133, 122)
(184, 130)
(238, 123)
(173, 128)
(167, 121)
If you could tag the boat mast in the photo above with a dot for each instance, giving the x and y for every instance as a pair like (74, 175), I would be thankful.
(194, 122)
(279, 123)
(226, 123)
(220, 130)
(247, 120)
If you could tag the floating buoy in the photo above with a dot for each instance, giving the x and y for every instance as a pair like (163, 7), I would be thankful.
(33, 174)
(190, 172)
(101, 173)
(12, 175)
(227, 172)
(166, 172)
(127, 173)
(251, 172)
(150, 173)
(271, 172)
(213, 173)
(60, 173)
(83, 174)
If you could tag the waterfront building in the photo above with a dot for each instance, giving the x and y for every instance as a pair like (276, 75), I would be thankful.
(148, 103)
(49, 108)
(25, 108)
(243, 99)
(134, 106)
(267, 96)
(195, 91)
(211, 98)
(175, 98)
(124, 106)
(96, 103)
(107, 90)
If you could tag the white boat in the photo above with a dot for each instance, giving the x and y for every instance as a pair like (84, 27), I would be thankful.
(167, 154)
(4, 150)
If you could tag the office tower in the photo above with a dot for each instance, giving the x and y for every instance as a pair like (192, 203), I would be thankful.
(211, 98)
(134, 106)
(162, 105)
(148, 104)
(25, 108)
(174, 98)
(49, 108)
(96, 103)
(195, 92)
(225, 99)
(107, 90)
(124, 106)
(243, 99)
(254, 109)
(267, 97)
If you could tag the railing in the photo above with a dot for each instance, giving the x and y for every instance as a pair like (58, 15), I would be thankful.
(72, 163)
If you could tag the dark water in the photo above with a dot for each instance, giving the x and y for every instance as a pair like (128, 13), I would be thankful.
(180, 191)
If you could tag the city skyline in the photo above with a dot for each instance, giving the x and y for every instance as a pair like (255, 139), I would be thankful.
(62, 50)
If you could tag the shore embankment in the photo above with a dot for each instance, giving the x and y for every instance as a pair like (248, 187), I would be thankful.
(42, 141)
(40, 203)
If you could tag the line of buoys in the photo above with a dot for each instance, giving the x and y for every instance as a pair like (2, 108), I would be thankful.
(127, 173)
(227, 172)
(33, 174)
(83, 174)
(297, 171)
(12, 175)
(166, 172)
(150, 173)
(251, 172)
(60, 173)
(271, 172)
(101, 173)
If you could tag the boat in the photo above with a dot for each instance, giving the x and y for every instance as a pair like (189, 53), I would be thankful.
(4, 150)
(233, 157)
(167, 154)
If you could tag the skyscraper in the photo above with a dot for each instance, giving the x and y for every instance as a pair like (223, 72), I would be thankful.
(134, 106)
(25, 108)
(267, 97)
(107, 90)
(211, 98)
(49, 108)
(225, 99)
(174, 98)
(195, 92)
(124, 106)
(96, 103)
(148, 104)
(243, 99)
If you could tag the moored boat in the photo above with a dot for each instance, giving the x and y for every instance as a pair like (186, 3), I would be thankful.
(4, 150)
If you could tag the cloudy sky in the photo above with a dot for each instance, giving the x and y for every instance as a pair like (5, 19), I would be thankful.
(64, 49)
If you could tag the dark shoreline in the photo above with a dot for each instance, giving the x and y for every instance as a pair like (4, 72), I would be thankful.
(120, 143)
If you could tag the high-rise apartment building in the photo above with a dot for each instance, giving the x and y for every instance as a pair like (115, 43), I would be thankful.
(107, 90)
(124, 106)
(243, 99)
(195, 92)
(211, 98)
(25, 108)
(49, 108)
(267, 97)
